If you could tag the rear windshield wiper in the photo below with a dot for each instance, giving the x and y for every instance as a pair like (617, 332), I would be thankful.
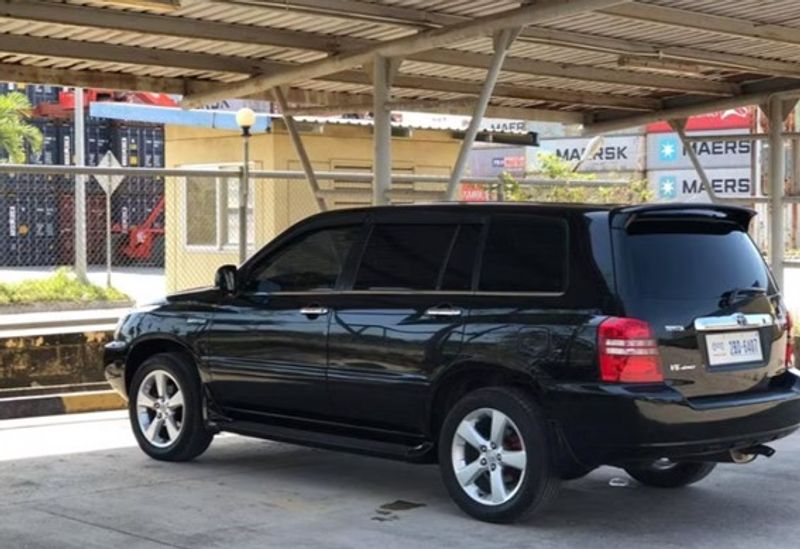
(732, 296)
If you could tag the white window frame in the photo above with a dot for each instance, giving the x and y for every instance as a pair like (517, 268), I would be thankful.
(221, 213)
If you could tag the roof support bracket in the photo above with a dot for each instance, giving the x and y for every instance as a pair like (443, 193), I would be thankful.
(679, 126)
(280, 96)
(502, 42)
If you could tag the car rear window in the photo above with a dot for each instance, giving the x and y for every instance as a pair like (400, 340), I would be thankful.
(689, 260)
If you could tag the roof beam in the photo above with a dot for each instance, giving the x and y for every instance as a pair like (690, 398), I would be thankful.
(510, 91)
(183, 86)
(460, 107)
(401, 47)
(97, 79)
(163, 5)
(132, 55)
(706, 22)
(132, 82)
(212, 30)
(676, 109)
(181, 27)
(572, 71)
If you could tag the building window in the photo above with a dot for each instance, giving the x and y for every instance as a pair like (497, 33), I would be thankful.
(211, 212)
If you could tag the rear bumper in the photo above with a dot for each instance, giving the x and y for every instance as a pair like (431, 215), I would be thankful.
(607, 424)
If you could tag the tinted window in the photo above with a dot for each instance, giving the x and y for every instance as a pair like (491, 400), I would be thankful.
(404, 257)
(458, 273)
(684, 260)
(311, 262)
(525, 254)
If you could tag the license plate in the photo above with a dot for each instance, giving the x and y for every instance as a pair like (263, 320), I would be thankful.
(733, 348)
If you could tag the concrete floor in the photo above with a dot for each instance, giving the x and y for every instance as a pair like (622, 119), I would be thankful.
(79, 481)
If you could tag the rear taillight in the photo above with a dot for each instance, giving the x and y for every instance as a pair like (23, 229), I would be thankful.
(789, 341)
(628, 351)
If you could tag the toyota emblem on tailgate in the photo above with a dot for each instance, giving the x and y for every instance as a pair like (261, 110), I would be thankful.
(741, 320)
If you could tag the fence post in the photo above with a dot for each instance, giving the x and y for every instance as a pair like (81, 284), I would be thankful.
(244, 183)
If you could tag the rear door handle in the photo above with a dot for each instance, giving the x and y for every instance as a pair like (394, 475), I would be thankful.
(443, 311)
(314, 310)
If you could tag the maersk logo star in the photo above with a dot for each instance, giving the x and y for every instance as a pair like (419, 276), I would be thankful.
(667, 187)
(668, 149)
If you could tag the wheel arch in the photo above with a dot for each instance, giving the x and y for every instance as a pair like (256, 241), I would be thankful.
(464, 377)
(145, 348)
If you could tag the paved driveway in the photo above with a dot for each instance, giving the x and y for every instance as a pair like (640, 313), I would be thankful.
(78, 481)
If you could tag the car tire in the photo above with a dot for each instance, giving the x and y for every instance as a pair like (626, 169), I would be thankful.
(670, 474)
(165, 408)
(494, 455)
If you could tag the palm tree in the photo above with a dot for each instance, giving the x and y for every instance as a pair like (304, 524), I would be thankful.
(15, 131)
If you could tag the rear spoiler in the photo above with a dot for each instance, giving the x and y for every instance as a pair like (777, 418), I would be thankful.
(623, 217)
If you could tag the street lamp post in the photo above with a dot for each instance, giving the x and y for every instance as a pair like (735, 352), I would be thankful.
(245, 118)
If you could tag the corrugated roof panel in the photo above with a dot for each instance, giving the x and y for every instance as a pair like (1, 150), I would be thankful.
(344, 24)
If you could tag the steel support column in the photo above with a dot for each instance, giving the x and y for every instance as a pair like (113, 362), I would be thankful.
(299, 148)
(680, 128)
(382, 136)
(777, 175)
(502, 41)
(80, 190)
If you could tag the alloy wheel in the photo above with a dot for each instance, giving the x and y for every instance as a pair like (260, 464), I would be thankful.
(489, 456)
(160, 408)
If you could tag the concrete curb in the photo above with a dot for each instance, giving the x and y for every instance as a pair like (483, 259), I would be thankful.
(67, 403)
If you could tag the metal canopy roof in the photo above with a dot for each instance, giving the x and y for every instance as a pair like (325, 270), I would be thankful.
(604, 64)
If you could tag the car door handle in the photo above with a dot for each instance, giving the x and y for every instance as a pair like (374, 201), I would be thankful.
(314, 310)
(443, 311)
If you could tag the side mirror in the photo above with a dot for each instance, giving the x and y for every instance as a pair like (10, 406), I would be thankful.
(225, 279)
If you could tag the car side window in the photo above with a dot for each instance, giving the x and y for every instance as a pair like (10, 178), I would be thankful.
(457, 275)
(525, 254)
(312, 261)
(404, 257)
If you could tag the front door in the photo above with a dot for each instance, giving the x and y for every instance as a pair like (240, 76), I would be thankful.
(267, 345)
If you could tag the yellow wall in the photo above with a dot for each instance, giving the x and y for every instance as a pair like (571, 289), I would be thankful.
(278, 204)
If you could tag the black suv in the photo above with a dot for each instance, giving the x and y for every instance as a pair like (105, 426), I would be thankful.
(516, 344)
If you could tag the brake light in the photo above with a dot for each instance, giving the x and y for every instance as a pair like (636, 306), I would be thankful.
(789, 342)
(628, 351)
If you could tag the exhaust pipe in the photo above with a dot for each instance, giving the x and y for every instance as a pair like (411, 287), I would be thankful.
(746, 455)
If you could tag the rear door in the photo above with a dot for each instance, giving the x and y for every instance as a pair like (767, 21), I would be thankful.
(402, 320)
(702, 284)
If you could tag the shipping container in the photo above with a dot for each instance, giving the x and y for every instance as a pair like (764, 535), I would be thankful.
(8, 221)
(29, 220)
(138, 145)
(42, 93)
(50, 153)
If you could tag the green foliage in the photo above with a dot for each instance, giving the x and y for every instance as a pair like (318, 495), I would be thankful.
(63, 286)
(15, 131)
(555, 168)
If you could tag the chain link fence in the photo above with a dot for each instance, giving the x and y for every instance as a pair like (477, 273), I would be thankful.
(170, 229)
